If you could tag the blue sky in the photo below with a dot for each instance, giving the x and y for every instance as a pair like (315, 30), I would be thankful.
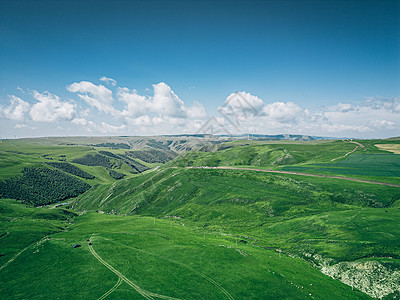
(337, 62)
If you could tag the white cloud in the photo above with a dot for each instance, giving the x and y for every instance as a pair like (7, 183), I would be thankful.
(343, 119)
(166, 102)
(50, 108)
(344, 107)
(108, 80)
(79, 121)
(383, 124)
(16, 110)
(21, 90)
(135, 104)
(97, 96)
(105, 128)
(128, 113)
(144, 120)
(241, 104)
(340, 128)
(19, 126)
(283, 112)
(196, 110)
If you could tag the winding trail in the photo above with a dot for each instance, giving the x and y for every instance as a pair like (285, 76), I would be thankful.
(18, 254)
(144, 293)
(301, 174)
(110, 192)
(359, 145)
(209, 279)
(106, 294)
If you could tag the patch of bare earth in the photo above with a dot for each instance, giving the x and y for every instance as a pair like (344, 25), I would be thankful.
(394, 148)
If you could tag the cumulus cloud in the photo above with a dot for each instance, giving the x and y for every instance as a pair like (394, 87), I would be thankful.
(196, 110)
(344, 119)
(135, 104)
(79, 121)
(108, 80)
(283, 112)
(16, 110)
(50, 108)
(383, 124)
(105, 128)
(241, 104)
(390, 104)
(344, 107)
(164, 104)
(97, 96)
(19, 126)
(128, 112)
(163, 112)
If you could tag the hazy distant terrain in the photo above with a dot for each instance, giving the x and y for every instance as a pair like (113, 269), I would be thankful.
(200, 217)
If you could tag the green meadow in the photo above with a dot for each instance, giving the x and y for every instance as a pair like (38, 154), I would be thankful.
(161, 257)
(177, 232)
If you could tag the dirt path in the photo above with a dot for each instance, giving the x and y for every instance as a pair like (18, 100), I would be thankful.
(110, 192)
(18, 254)
(301, 174)
(144, 293)
(212, 281)
(359, 145)
(110, 291)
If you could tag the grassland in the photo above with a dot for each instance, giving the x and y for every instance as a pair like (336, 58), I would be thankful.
(342, 158)
(243, 202)
(201, 233)
(158, 257)
(21, 226)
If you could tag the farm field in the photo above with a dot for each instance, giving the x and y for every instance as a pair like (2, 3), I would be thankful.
(200, 224)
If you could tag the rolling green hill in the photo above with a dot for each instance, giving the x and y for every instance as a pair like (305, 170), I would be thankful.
(357, 159)
(131, 256)
(180, 228)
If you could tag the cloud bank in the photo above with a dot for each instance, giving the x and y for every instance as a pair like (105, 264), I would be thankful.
(97, 109)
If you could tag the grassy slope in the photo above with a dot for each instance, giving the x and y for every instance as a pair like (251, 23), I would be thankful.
(280, 211)
(316, 157)
(305, 216)
(22, 225)
(159, 258)
(17, 154)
